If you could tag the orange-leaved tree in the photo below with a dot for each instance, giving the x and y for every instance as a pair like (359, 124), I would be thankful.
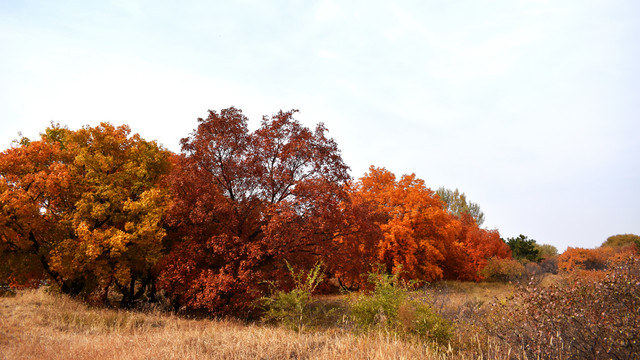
(596, 259)
(247, 201)
(584, 259)
(417, 233)
(83, 209)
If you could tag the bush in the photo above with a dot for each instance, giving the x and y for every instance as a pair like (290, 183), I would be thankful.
(292, 307)
(502, 270)
(584, 259)
(380, 307)
(546, 251)
(594, 318)
(549, 265)
(617, 241)
(532, 268)
(390, 307)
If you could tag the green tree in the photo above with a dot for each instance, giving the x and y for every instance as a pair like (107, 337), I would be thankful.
(524, 248)
(457, 204)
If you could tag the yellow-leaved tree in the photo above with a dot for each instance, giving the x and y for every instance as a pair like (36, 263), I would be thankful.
(84, 209)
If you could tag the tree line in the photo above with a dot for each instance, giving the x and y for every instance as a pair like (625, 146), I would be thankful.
(99, 210)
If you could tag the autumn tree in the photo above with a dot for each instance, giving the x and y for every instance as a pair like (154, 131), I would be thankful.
(477, 246)
(621, 240)
(596, 259)
(417, 233)
(457, 204)
(246, 202)
(83, 209)
(584, 259)
(356, 251)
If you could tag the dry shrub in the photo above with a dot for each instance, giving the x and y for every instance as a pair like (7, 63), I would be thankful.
(468, 306)
(532, 268)
(549, 280)
(549, 265)
(594, 317)
(502, 270)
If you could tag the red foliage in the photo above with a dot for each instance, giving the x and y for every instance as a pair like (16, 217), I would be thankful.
(245, 202)
(478, 245)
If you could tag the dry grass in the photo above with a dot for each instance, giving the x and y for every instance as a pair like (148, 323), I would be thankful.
(460, 301)
(38, 325)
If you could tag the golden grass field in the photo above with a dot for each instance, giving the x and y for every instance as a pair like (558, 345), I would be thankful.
(35, 324)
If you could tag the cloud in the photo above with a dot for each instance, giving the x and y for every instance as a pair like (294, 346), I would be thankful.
(327, 11)
(328, 54)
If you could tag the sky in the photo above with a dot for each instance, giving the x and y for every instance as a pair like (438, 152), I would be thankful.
(531, 108)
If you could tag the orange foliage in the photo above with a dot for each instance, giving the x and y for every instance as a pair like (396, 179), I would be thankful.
(595, 259)
(419, 234)
(416, 230)
(82, 208)
(584, 259)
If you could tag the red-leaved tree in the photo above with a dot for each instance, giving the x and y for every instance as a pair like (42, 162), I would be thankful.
(475, 246)
(247, 201)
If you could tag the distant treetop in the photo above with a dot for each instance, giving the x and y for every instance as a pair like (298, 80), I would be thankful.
(622, 240)
(457, 204)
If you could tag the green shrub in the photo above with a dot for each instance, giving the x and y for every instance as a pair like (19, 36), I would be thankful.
(380, 307)
(391, 308)
(419, 318)
(291, 308)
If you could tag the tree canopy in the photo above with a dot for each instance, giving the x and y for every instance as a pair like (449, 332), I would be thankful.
(419, 234)
(622, 240)
(247, 201)
(83, 208)
(457, 204)
(524, 248)
(101, 211)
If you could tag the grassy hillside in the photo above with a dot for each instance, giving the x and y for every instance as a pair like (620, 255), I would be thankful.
(586, 314)
(36, 324)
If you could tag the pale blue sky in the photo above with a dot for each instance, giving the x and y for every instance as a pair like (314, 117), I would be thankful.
(529, 107)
